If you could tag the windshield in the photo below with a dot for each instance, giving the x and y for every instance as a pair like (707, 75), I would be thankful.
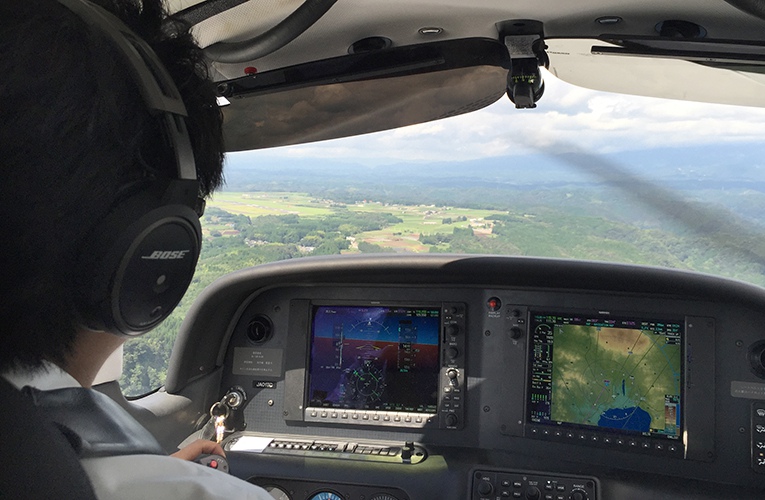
(585, 175)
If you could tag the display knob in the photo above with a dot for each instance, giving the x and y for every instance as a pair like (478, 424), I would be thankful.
(533, 493)
(452, 352)
(578, 495)
(516, 332)
(485, 488)
(453, 375)
(451, 420)
(452, 329)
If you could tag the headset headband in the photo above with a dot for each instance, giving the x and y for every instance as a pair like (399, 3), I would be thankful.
(155, 84)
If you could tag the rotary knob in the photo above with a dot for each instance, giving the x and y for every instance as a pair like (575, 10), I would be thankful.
(533, 493)
(453, 375)
(578, 495)
(485, 488)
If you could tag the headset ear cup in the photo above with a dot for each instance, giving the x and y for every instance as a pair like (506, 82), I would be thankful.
(136, 268)
(137, 264)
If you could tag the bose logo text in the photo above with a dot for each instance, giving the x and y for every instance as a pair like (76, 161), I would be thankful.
(166, 255)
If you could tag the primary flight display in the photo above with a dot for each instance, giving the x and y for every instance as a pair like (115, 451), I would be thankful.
(377, 358)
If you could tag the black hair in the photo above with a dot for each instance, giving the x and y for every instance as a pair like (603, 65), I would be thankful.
(73, 133)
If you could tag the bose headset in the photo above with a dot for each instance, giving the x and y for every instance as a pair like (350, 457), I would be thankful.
(139, 261)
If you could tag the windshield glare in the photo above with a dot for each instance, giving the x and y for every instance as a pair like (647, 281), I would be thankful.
(585, 175)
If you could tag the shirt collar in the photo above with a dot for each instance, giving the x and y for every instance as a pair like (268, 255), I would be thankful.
(47, 378)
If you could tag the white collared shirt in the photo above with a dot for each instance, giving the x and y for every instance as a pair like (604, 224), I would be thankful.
(48, 378)
(131, 477)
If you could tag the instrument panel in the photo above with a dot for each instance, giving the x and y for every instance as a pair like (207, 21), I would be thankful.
(487, 383)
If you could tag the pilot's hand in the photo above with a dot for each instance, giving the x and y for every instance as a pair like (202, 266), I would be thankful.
(199, 447)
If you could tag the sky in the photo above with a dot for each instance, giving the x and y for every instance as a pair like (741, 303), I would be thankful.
(597, 122)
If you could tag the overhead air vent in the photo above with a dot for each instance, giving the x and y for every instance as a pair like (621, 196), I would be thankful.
(680, 29)
(260, 329)
(757, 358)
(369, 44)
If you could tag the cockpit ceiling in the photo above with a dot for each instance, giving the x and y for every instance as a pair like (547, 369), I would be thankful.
(401, 20)
(723, 63)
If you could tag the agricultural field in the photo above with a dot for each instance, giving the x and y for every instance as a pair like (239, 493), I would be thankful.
(254, 204)
(403, 236)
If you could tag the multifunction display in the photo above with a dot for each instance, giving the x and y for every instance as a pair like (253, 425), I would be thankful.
(375, 358)
(612, 374)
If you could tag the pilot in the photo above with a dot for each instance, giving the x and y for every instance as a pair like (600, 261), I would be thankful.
(77, 143)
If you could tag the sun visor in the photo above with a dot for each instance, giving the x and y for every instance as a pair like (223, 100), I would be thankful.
(704, 71)
(362, 93)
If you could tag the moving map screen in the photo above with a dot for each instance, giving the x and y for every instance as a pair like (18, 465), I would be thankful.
(382, 358)
(615, 374)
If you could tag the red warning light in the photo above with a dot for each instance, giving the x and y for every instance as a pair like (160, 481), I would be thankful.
(494, 304)
(250, 70)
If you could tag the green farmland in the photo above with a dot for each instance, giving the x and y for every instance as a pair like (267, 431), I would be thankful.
(402, 236)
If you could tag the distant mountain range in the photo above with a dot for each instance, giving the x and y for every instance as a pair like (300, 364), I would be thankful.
(713, 166)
